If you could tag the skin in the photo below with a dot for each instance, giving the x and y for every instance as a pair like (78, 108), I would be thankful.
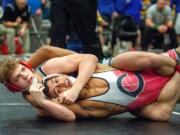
(65, 112)
(164, 27)
(19, 22)
(87, 109)
(23, 77)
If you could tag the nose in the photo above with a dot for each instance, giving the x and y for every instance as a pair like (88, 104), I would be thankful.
(23, 75)
(57, 91)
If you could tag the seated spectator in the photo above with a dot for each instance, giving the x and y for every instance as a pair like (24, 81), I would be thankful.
(16, 19)
(176, 3)
(36, 12)
(105, 14)
(6, 2)
(120, 7)
(133, 8)
(159, 21)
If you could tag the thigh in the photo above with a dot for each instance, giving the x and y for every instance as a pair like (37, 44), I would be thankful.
(136, 61)
(161, 109)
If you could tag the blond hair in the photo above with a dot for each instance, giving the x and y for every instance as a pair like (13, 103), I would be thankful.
(7, 65)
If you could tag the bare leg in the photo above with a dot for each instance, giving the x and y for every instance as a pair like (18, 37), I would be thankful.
(161, 109)
(136, 61)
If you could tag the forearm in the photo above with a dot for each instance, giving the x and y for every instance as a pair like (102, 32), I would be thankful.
(57, 111)
(150, 23)
(47, 52)
(169, 24)
(10, 24)
(85, 70)
(24, 25)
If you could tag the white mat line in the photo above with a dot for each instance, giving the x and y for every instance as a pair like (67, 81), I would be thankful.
(176, 113)
(14, 104)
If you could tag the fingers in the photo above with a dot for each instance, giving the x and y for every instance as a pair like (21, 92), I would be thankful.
(65, 99)
(36, 88)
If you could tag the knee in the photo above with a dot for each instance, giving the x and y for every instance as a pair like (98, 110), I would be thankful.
(10, 31)
(163, 115)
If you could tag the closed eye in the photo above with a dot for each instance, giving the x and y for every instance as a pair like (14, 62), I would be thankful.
(23, 68)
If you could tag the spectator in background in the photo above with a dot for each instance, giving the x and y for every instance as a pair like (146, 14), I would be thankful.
(107, 13)
(82, 14)
(6, 2)
(16, 19)
(176, 3)
(46, 4)
(36, 12)
(133, 8)
(120, 8)
(159, 21)
(107, 9)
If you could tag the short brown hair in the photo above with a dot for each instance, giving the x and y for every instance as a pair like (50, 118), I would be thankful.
(7, 65)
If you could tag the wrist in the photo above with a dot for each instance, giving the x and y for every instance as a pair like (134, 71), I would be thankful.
(15, 24)
(77, 88)
(41, 102)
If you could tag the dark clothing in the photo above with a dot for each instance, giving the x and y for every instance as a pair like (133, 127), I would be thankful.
(82, 14)
(12, 12)
(150, 33)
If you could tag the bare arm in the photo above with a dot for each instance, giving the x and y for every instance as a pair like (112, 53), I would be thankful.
(57, 111)
(136, 61)
(10, 24)
(149, 23)
(169, 24)
(47, 52)
(24, 25)
(48, 107)
(85, 64)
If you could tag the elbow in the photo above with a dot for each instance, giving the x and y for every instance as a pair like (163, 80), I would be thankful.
(162, 116)
(71, 118)
(92, 57)
(165, 116)
(44, 48)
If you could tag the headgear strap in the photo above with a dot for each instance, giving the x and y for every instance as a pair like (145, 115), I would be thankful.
(11, 86)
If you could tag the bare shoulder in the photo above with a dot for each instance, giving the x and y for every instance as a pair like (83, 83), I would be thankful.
(103, 68)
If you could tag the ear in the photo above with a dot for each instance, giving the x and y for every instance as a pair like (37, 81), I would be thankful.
(12, 87)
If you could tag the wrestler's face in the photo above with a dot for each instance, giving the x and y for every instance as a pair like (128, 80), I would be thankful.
(58, 84)
(22, 76)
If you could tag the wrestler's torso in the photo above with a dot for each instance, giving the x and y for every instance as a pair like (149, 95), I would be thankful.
(94, 88)
(131, 90)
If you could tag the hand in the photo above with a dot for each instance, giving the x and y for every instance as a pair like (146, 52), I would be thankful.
(162, 29)
(114, 15)
(36, 91)
(19, 20)
(104, 23)
(38, 12)
(21, 32)
(69, 96)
